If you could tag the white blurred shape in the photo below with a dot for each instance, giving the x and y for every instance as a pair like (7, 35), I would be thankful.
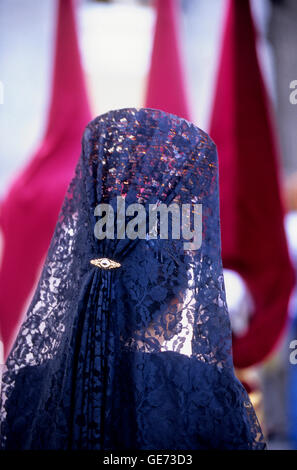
(239, 300)
(291, 231)
(26, 54)
(116, 48)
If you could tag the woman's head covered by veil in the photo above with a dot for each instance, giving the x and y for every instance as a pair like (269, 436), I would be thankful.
(146, 182)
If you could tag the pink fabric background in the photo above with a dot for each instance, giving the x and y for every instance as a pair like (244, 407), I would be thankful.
(29, 212)
(166, 87)
(253, 237)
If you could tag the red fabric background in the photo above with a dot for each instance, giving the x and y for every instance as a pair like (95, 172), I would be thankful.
(253, 237)
(29, 212)
(166, 88)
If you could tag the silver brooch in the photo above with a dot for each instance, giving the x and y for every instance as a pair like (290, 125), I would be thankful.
(105, 263)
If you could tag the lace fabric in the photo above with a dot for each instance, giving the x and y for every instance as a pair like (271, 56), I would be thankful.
(139, 356)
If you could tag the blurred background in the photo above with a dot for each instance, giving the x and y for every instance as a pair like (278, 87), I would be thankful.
(228, 66)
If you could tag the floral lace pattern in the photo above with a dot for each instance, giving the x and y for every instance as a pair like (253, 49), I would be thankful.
(139, 356)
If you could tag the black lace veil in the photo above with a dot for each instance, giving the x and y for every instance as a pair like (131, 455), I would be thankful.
(105, 357)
